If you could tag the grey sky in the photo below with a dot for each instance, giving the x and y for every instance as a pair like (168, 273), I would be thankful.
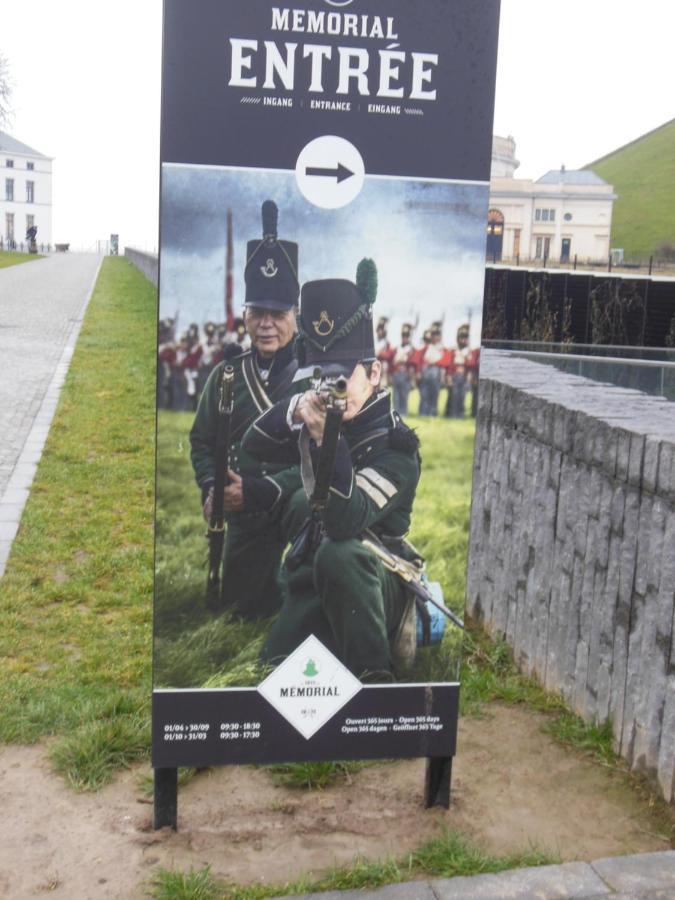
(575, 80)
(426, 239)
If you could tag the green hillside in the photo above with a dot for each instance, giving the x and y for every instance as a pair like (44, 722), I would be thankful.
(643, 175)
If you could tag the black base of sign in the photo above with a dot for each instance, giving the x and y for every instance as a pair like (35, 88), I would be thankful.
(203, 728)
(439, 777)
(437, 791)
(166, 799)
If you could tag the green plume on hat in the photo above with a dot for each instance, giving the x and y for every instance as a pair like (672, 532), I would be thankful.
(366, 280)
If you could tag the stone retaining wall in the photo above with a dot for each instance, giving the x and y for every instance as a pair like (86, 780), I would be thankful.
(147, 263)
(572, 548)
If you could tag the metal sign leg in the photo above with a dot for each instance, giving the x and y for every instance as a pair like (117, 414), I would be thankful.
(166, 799)
(437, 787)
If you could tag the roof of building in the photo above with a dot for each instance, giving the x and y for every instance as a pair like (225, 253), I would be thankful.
(8, 144)
(570, 176)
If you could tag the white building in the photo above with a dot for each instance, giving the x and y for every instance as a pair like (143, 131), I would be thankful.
(563, 215)
(25, 192)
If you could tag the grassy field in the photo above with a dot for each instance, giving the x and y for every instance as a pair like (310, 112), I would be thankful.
(13, 258)
(76, 597)
(643, 174)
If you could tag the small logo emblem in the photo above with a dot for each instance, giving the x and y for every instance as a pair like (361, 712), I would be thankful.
(270, 269)
(311, 670)
(325, 324)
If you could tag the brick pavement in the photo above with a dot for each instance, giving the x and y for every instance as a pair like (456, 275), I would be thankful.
(41, 309)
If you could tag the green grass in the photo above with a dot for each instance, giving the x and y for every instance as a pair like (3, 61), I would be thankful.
(76, 597)
(192, 885)
(14, 258)
(447, 856)
(314, 775)
(643, 174)
(489, 675)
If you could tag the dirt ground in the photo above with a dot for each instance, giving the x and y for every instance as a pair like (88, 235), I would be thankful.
(513, 788)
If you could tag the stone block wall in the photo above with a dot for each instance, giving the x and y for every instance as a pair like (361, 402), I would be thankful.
(572, 546)
(147, 263)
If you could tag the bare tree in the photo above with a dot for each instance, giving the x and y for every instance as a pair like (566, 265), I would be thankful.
(5, 91)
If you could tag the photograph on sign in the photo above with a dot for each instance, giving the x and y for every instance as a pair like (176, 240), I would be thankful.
(319, 329)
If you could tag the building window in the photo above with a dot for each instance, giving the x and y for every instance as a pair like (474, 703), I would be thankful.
(537, 215)
(30, 192)
(516, 242)
(9, 188)
(30, 166)
(544, 215)
(30, 221)
(567, 217)
(551, 215)
(9, 227)
(9, 163)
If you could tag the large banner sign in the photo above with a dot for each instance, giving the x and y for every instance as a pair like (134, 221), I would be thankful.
(324, 192)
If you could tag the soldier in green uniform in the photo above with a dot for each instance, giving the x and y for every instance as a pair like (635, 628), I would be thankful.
(336, 588)
(257, 489)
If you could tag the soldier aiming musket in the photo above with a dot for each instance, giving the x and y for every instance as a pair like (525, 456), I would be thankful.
(338, 588)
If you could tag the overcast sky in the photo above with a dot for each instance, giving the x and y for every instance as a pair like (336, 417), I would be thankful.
(426, 239)
(576, 80)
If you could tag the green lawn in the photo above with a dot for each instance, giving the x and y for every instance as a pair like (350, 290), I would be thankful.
(13, 258)
(643, 175)
(76, 597)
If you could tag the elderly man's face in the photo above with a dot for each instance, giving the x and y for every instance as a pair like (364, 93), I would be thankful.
(270, 329)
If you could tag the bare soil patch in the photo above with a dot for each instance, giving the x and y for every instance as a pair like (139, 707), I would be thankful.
(514, 788)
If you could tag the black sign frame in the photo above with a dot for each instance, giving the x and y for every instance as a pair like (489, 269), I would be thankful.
(444, 61)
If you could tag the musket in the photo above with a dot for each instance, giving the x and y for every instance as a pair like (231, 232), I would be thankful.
(216, 532)
(409, 572)
(229, 282)
(335, 392)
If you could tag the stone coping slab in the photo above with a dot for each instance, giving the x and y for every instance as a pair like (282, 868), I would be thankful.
(643, 876)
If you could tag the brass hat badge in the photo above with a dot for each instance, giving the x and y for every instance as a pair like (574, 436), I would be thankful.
(325, 324)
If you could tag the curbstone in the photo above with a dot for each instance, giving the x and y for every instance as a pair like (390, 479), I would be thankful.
(577, 880)
(638, 872)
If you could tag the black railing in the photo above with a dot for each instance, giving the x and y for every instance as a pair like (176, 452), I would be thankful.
(568, 307)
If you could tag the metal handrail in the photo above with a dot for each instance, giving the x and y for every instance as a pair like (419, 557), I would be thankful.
(620, 360)
(595, 351)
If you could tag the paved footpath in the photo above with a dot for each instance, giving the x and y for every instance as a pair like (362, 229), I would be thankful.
(41, 308)
(644, 876)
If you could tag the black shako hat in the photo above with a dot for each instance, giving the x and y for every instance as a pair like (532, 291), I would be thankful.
(335, 326)
(271, 272)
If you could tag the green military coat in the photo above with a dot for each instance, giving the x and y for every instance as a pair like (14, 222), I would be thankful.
(254, 542)
(341, 593)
